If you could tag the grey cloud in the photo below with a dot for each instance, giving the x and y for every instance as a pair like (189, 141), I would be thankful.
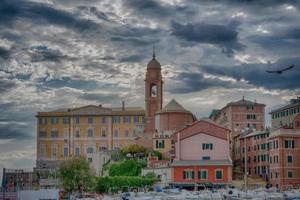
(99, 97)
(4, 53)
(43, 53)
(256, 74)
(225, 36)
(38, 13)
(6, 85)
(195, 82)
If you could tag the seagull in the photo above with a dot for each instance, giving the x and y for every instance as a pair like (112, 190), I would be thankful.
(280, 71)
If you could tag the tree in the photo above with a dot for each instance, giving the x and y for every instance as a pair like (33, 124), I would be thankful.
(125, 168)
(75, 174)
(134, 149)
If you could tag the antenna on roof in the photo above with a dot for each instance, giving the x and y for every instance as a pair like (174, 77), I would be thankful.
(153, 51)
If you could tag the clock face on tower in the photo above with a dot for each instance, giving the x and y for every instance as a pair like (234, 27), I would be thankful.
(153, 91)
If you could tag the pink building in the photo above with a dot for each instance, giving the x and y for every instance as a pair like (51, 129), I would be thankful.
(237, 116)
(202, 155)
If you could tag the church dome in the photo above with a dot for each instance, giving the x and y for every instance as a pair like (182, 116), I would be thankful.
(153, 64)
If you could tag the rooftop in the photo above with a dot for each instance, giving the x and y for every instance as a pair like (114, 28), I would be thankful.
(293, 103)
(178, 163)
(94, 110)
(244, 102)
(254, 133)
(285, 132)
(173, 106)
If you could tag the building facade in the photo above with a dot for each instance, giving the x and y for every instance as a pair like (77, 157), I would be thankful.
(255, 147)
(237, 116)
(85, 130)
(284, 116)
(284, 157)
(202, 155)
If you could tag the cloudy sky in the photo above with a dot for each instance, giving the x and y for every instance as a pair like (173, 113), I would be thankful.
(65, 53)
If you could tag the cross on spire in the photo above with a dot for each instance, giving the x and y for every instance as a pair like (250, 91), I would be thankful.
(153, 52)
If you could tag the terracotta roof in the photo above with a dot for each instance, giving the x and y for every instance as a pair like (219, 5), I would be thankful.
(173, 106)
(153, 64)
(178, 163)
(244, 102)
(203, 126)
(94, 110)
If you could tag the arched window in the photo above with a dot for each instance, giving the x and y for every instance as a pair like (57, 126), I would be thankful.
(90, 132)
(153, 90)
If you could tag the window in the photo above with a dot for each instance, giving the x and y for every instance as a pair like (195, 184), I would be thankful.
(77, 120)
(206, 158)
(116, 133)
(66, 151)
(289, 144)
(290, 174)
(153, 90)
(136, 119)
(160, 144)
(42, 120)
(53, 151)
(90, 150)
(104, 120)
(290, 159)
(90, 132)
(54, 120)
(207, 146)
(126, 133)
(90, 120)
(90, 160)
(42, 133)
(66, 120)
(77, 151)
(42, 150)
(103, 132)
(202, 174)
(253, 117)
(127, 119)
(77, 133)
(219, 174)
(250, 107)
(116, 119)
(188, 175)
(54, 133)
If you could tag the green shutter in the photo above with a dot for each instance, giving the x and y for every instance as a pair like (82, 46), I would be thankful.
(290, 159)
(219, 174)
(203, 146)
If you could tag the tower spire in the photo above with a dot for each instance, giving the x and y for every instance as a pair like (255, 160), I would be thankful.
(153, 56)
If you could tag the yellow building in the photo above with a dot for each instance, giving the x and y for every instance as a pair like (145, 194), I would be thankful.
(85, 130)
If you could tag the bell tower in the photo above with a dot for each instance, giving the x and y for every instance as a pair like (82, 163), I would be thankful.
(153, 93)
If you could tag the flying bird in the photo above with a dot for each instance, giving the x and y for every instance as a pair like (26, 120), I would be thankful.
(280, 71)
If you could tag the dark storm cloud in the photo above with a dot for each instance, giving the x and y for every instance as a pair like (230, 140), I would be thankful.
(256, 74)
(134, 36)
(4, 53)
(157, 10)
(224, 36)
(195, 82)
(11, 130)
(6, 85)
(43, 53)
(38, 13)
(99, 97)
(279, 40)
(69, 82)
(133, 58)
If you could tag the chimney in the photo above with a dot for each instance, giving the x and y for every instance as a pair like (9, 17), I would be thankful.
(243, 98)
(100, 105)
(254, 100)
(123, 106)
